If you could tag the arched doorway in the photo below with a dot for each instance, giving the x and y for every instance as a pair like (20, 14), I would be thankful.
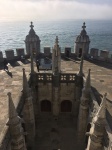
(66, 106)
(45, 106)
(67, 53)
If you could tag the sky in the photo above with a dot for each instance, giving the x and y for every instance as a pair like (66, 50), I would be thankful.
(26, 10)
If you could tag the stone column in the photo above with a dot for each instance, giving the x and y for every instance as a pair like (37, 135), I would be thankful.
(83, 114)
(56, 95)
(97, 130)
(15, 128)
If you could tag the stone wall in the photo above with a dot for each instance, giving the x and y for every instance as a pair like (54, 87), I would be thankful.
(10, 56)
(67, 91)
(103, 55)
(44, 91)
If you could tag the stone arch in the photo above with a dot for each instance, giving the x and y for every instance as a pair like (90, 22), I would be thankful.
(45, 106)
(66, 106)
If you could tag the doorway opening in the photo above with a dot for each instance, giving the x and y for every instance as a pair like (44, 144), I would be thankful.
(66, 106)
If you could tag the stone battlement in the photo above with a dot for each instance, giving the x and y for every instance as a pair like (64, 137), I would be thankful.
(102, 55)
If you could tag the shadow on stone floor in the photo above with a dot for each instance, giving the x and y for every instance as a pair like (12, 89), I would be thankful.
(101, 63)
(9, 73)
(14, 64)
(26, 61)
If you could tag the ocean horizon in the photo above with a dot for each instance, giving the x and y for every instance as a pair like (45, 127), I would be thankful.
(12, 34)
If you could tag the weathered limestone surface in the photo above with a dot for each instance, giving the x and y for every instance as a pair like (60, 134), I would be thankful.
(100, 79)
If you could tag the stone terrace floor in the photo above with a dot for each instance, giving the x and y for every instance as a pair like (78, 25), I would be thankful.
(101, 79)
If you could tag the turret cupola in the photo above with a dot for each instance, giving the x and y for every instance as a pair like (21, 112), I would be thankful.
(82, 43)
(32, 41)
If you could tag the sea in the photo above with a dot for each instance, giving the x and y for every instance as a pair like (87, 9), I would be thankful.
(12, 34)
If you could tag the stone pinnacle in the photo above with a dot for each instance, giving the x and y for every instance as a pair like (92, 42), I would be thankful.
(13, 117)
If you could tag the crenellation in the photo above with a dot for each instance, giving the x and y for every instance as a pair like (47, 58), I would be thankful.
(9, 54)
(104, 55)
(94, 53)
(1, 57)
(20, 52)
(47, 51)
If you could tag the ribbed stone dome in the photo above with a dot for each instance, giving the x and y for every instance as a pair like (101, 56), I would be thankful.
(83, 37)
(32, 35)
(32, 42)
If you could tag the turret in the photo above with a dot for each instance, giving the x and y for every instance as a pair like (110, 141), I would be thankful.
(28, 113)
(32, 42)
(82, 43)
(83, 114)
(98, 127)
(15, 128)
(56, 57)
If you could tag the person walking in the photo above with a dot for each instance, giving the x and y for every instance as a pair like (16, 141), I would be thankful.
(37, 64)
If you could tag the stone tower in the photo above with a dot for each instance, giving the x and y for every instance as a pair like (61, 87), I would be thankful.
(15, 128)
(83, 114)
(56, 57)
(32, 42)
(98, 128)
(82, 43)
(28, 113)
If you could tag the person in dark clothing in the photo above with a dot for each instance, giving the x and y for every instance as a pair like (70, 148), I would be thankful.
(37, 64)
(5, 64)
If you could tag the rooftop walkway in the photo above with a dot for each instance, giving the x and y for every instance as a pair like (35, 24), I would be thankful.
(101, 81)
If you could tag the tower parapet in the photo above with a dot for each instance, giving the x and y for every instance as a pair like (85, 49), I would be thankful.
(32, 41)
(82, 43)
